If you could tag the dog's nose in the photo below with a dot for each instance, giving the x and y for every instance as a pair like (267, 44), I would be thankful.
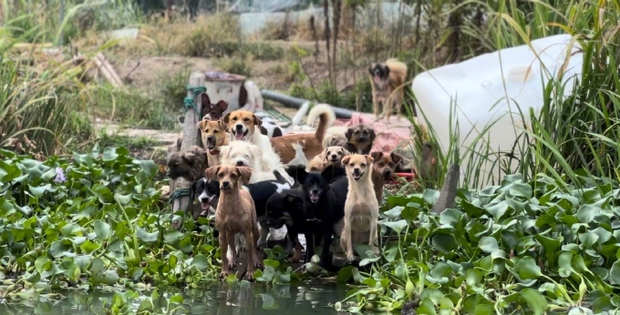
(226, 184)
(204, 200)
(356, 170)
(362, 139)
(239, 127)
(239, 163)
(334, 156)
(210, 138)
(387, 173)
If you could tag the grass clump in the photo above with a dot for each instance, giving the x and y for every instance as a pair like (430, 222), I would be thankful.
(237, 65)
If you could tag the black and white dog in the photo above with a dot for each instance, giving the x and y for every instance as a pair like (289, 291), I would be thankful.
(207, 192)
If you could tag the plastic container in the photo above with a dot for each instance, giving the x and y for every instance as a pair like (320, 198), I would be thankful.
(484, 88)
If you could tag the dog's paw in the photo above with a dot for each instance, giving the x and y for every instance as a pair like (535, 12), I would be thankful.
(232, 264)
(375, 250)
(258, 265)
(350, 257)
(223, 275)
(249, 276)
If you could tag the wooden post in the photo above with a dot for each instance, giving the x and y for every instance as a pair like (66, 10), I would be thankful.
(447, 196)
(190, 137)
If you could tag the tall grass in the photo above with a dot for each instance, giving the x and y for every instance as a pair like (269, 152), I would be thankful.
(570, 138)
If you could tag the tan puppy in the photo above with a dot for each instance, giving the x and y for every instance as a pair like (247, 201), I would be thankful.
(213, 134)
(235, 213)
(317, 164)
(361, 210)
(333, 155)
(387, 82)
(244, 125)
(383, 169)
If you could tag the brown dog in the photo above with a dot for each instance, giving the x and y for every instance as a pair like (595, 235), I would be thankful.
(387, 80)
(333, 155)
(235, 213)
(190, 164)
(213, 135)
(245, 125)
(211, 111)
(384, 167)
(361, 209)
(360, 139)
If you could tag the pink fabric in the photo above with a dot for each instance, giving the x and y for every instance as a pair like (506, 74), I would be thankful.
(390, 133)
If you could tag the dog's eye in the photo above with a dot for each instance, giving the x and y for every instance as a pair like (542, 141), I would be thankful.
(365, 131)
(215, 131)
(220, 175)
(356, 132)
(363, 165)
(234, 119)
(391, 164)
(247, 156)
(381, 164)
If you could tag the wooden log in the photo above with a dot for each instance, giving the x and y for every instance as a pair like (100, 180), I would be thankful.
(107, 70)
(190, 137)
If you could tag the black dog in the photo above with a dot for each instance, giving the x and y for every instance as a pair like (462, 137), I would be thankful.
(208, 192)
(323, 202)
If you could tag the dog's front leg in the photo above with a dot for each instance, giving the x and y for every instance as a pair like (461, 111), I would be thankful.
(326, 261)
(251, 252)
(375, 105)
(257, 262)
(232, 258)
(224, 248)
(310, 244)
(346, 242)
(374, 233)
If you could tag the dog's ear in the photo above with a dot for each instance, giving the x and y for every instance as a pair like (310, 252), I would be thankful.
(345, 160)
(369, 159)
(344, 151)
(331, 172)
(211, 172)
(226, 118)
(370, 69)
(257, 120)
(222, 105)
(349, 133)
(294, 199)
(221, 125)
(201, 125)
(188, 157)
(386, 70)
(396, 158)
(298, 172)
(245, 173)
(376, 155)
(205, 100)
(373, 135)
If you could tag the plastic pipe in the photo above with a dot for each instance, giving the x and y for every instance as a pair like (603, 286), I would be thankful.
(296, 102)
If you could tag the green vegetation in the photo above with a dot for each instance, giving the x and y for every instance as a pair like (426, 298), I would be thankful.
(542, 239)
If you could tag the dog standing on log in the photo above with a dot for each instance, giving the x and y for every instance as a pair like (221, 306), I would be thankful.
(387, 80)
(235, 213)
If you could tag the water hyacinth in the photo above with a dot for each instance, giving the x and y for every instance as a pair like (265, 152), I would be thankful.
(60, 175)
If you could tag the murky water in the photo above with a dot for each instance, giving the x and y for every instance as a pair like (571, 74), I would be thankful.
(235, 299)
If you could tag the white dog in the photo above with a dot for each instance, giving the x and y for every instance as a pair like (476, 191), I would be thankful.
(243, 153)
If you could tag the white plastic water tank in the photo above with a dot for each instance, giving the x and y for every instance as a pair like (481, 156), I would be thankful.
(482, 89)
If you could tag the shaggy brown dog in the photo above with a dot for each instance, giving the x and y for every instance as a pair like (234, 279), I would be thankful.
(387, 80)
(190, 164)
(213, 135)
(384, 167)
(244, 125)
(235, 213)
(361, 210)
(360, 139)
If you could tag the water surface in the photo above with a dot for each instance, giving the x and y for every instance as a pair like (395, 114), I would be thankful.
(217, 298)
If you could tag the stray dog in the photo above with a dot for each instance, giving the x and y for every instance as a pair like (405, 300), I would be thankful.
(241, 153)
(383, 169)
(243, 126)
(208, 193)
(360, 139)
(286, 209)
(330, 156)
(250, 98)
(213, 135)
(323, 203)
(235, 213)
(361, 210)
(190, 164)
(211, 111)
(317, 164)
(387, 81)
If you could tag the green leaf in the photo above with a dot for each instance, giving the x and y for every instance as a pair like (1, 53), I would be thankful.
(103, 193)
(109, 154)
(497, 210)
(535, 300)
(444, 243)
(430, 196)
(110, 277)
(394, 213)
(527, 268)
(39, 191)
(268, 274)
(488, 244)
(146, 236)
(397, 226)
(149, 167)
(102, 230)
(614, 272)
(96, 269)
(70, 229)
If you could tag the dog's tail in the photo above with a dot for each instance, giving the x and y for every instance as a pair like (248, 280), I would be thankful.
(326, 116)
(398, 68)
(299, 116)
(279, 176)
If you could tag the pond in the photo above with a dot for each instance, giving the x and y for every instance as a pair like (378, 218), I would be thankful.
(217, 298)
